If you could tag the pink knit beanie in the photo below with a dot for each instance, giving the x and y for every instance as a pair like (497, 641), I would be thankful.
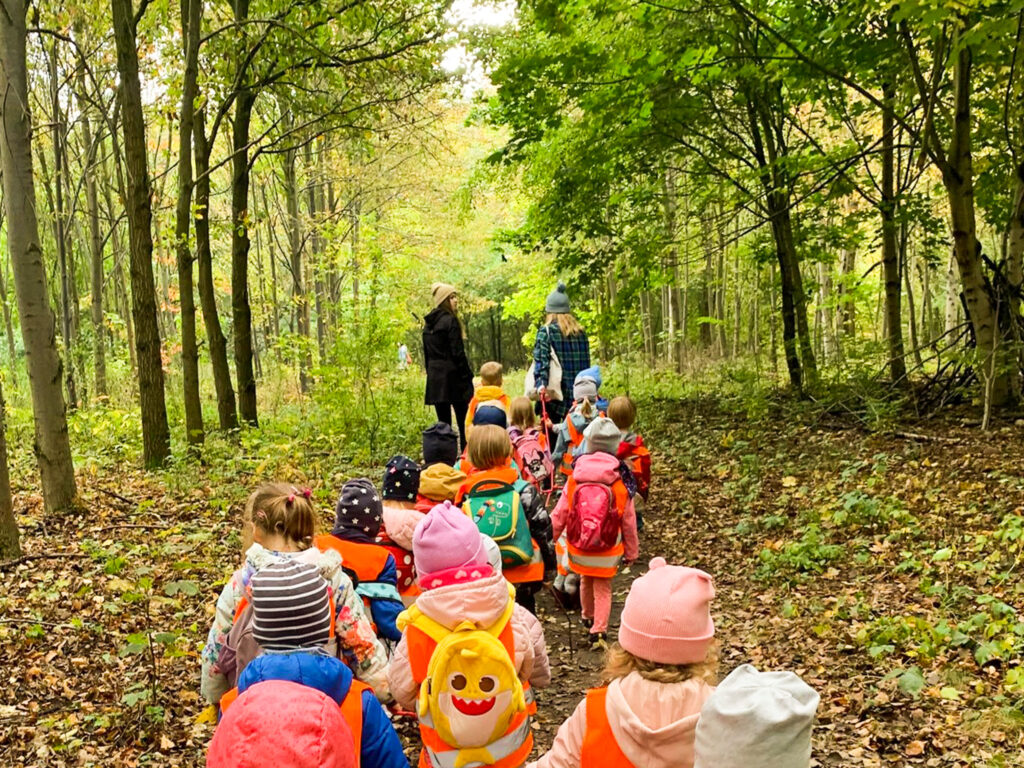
(667, 617)
(446, 538)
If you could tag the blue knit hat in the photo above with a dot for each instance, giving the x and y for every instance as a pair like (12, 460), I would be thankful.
(558, 301)
(490, 414)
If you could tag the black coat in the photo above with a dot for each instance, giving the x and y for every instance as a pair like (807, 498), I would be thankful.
(449, 378)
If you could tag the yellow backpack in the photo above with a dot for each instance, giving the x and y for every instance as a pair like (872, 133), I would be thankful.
(470, 693)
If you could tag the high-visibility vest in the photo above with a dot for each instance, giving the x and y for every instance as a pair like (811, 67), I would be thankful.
(511, 749)
(366, 561)
(351, 710)
(603, 564)
(600, 749)
(474, 403)
(638, 458)
(575, 439)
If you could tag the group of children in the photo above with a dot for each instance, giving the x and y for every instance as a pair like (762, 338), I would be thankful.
(420, 602)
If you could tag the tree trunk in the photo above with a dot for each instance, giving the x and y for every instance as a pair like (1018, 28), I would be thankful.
(227, 416)
(156, 437)
(10, 545)
(707, 293)
(191, 16)
(300, 301)
(958, 177)
(99, 354)
(241, 312)
(52, 448)
(911, 310)
(888, 208)
(772, 321)
(60, 225)
(927, 317)
(847, 305)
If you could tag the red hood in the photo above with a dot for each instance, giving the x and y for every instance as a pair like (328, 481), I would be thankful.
(596, 468)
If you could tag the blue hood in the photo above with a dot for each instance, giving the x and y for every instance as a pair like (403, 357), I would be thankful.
(317, 670)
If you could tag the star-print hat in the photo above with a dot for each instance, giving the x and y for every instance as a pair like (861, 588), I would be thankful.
(357, 515)
(401, 479)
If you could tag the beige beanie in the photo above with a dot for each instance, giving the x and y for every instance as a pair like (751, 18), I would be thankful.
(441, 291)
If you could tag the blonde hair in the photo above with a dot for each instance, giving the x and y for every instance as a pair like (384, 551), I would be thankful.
(567, 323)
(520, 413)
(619, 662)
(490, 374)
(588, 407)
(622, 410)
(489, 446)
(282, 510)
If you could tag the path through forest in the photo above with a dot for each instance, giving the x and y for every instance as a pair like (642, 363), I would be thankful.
(850, 558)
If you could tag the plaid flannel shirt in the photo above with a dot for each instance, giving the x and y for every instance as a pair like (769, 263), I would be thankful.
(574, 355)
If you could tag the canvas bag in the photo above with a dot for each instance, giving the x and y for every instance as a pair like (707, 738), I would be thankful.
(554, 386)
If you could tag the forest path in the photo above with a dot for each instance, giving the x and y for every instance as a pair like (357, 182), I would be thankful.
(884, 570)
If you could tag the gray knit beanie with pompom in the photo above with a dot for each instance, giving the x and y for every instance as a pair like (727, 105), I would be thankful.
(558, 301)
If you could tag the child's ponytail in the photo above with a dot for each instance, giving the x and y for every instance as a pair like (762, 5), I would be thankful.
(283, 510)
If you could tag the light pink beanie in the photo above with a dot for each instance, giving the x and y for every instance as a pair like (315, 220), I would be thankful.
(667, 617)
(445, 539)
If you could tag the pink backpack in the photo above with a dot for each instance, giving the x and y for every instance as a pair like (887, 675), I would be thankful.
(534, 459)
(594, 521)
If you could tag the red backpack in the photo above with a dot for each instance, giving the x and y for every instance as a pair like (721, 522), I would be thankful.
(594, 521)
(533, 458)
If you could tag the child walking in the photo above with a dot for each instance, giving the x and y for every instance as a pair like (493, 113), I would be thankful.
(757, 719)
(569, 434)
(658, 677)
(529, 444)
(357, 521)
(596, 513)
(292, 610)
(492, 495)
(489, 391)
(280, 521)
(469, 657)
(399, 516)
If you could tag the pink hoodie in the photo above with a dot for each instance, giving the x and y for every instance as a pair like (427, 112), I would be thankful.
(653, 723)
(599, 468)
(481, 602)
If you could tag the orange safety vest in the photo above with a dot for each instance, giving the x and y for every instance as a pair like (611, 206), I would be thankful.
(638, 459)
(575, 438)
(367, 561)
(600, 749)
(420, 646)
(562, 556)
(473, 403)
(603, 564)
(521, 574)
(351, 710)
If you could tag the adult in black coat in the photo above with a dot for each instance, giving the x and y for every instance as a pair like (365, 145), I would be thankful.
(449, 377)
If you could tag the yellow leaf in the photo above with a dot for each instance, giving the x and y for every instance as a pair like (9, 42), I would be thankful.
(788, 481)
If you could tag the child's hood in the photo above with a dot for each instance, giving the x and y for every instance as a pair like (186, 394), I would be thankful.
(327, 674)
(400, 524)
(655, 723)
(487, 392)
(482, 602)
(327, 563)
(596, 468)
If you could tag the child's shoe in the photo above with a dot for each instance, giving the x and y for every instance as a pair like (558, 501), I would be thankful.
(587, 622)
(599, 641)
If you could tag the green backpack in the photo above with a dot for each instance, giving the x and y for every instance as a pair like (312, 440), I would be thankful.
(496, 509)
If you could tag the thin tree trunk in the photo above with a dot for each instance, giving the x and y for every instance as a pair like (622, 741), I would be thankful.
(737, 304)
(927, 315)
(52, 447)
(772, 323)
(847, 305)
(911, 309)
(5, 302)
(60, 235)
(191, 16)
(300, 301)
(227, 416)
(156, 437)
(10, 545)
(99, 354)
(241, 312)
(890, 248)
